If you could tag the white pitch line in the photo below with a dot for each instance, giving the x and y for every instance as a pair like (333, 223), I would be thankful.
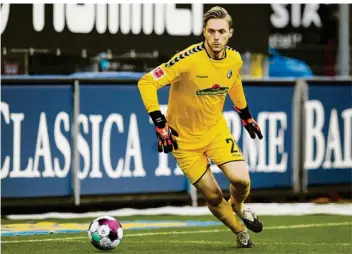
(224, 230)
(66, 239)
(221, 243)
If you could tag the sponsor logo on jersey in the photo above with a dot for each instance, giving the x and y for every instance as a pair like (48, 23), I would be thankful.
(214, 90)
(201, 76)
(158, 73)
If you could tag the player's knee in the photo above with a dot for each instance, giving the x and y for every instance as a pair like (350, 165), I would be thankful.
(244, 182)
(241, 182)
(214, 197)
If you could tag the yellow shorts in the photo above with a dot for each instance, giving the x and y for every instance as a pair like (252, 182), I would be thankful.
(220, 149)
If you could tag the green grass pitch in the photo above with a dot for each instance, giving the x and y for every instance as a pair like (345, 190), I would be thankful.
(281, 234)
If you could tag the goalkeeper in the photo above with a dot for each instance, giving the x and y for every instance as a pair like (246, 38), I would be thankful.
(195, 130)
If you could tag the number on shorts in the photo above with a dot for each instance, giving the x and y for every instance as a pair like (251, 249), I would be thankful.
(230, 140)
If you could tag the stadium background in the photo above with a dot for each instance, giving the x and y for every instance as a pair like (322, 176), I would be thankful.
(73, 68)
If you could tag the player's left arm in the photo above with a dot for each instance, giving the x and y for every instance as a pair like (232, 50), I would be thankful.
(238, 97)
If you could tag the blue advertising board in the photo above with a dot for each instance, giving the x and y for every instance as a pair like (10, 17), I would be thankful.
(117, 144)
(35, 140)
(328, 156)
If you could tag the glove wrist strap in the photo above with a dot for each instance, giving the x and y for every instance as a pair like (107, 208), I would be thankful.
(244, 113)
(158, 118)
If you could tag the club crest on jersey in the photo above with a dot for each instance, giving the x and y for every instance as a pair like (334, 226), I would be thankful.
(158, 73)
(229, 74)
(214, 90)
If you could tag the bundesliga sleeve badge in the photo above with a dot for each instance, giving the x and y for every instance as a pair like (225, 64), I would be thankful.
(158, 73)
(229, 74)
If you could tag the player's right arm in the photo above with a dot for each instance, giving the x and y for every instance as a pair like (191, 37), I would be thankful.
(148, 86)
(150, 83)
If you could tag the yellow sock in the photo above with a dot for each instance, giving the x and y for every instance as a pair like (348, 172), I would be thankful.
(237, 196)
(225, 214)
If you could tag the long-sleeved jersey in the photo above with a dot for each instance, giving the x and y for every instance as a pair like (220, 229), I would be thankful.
(199, 85)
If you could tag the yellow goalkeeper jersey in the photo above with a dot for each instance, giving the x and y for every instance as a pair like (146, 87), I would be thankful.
(199, 85)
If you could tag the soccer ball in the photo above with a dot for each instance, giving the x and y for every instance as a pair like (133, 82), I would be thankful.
(105, 233)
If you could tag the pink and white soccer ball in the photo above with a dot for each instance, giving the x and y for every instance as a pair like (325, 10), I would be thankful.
(105, 233)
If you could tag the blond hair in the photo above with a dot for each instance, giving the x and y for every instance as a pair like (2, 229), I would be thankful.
(217, 12)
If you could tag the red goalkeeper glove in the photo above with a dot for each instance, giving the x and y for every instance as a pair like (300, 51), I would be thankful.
(164, 133)
(249, 123)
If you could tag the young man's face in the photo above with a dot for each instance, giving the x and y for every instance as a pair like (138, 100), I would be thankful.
(217, 33)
